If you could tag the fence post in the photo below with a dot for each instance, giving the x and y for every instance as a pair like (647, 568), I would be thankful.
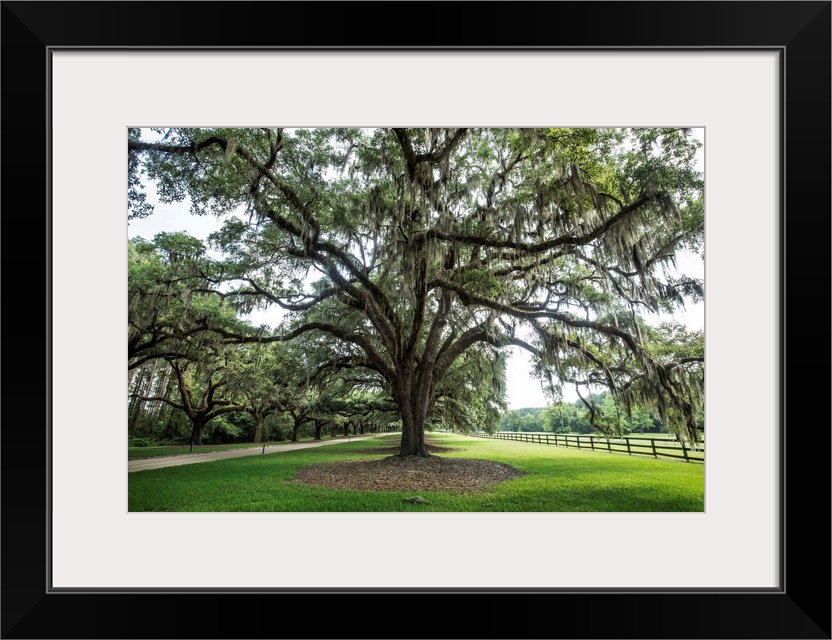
(592, 442)
(627, 440)
(578, 438)
(653, 442)
(684, 450)
(609, 446)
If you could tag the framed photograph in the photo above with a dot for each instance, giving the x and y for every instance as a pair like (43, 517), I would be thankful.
(755, 76)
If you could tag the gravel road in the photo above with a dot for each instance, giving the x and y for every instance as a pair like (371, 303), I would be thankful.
(192, 458)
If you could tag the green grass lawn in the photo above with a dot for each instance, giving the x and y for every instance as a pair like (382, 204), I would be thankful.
(557, 479)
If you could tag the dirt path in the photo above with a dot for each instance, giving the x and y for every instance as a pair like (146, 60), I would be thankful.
(191, 458)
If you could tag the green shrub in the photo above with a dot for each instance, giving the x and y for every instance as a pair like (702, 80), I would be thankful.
(221, 431)
(139, 442)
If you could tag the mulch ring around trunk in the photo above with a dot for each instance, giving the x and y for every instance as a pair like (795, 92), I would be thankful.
(395, 450)
(411, 473)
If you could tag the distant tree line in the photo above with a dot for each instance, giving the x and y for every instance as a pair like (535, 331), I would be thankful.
(158, 415)
(574, 418)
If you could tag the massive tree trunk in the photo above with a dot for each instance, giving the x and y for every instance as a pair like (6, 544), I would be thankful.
(196, 432)
(413, 409)
(413, 437)
(258, 427)
(296, 430)
(318, 426)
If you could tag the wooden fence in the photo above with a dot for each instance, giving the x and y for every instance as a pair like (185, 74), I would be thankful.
(632, 445)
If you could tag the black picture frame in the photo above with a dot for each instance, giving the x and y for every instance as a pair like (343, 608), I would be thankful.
(800, 608)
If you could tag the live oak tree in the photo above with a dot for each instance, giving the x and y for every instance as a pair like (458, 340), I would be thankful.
(258, 380)
(354, 400)
(275, 377)
(175, 312)
(155, 302)
(201, 398)
(425, 244)
(294, 388)
(173, 302)
(178, 314)
(681, 353)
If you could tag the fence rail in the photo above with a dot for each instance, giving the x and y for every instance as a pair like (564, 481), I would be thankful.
(653, 447)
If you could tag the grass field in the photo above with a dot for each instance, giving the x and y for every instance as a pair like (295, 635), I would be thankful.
(557, 479)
